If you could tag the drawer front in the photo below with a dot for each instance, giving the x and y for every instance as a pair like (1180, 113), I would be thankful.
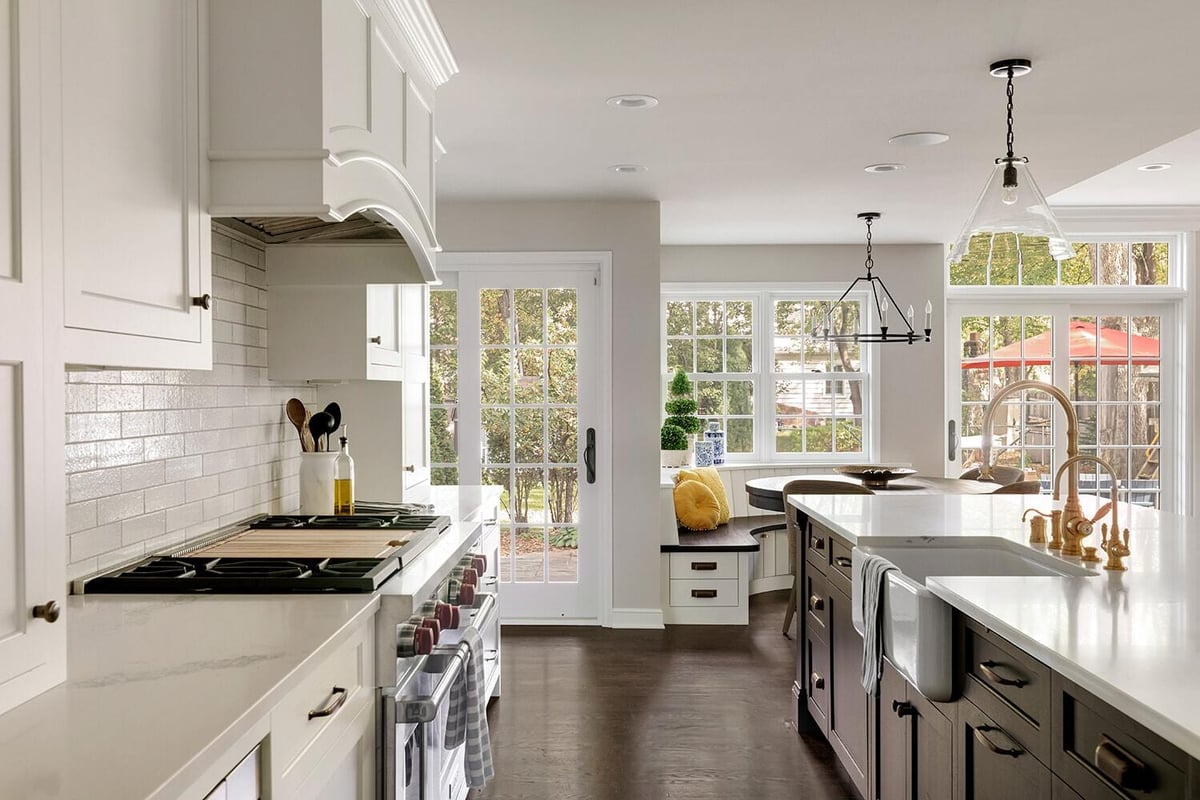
(1008, 685)
(1104, 755)
(995, 763)
(337, 683)
(840, 570)
(704, 565)
(1063, 792)
(816, 603)
(717, 592)
(817, 681)
(816, 549)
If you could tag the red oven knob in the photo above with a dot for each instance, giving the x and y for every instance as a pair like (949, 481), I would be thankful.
(433, 625)
(454, 618)
(466, 595)
(470, 577)
(479, 564)
(446, 615)
(423, 641)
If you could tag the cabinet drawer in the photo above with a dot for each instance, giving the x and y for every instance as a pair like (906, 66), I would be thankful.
(816, 548)
(817, 681)
(816, 604)
(704, 565)
(993, 761)
(840, 568)
(1009, 686)
(1103, 755)
(336, 684)
(717, 592)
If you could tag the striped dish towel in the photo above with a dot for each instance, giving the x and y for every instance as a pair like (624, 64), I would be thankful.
(467, 723)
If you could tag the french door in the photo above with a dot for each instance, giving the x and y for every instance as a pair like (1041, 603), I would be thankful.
(527, 418)
(1106, 357)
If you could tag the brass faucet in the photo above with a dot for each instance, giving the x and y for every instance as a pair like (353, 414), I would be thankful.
(1079, 528)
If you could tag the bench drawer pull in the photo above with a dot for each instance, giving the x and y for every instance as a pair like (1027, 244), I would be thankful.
(988, 668)
(706, 593)
(817, 681)
(817, 543)
(704, 566)
(1120, 766)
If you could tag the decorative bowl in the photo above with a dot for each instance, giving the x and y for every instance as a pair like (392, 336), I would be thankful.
(874, 476)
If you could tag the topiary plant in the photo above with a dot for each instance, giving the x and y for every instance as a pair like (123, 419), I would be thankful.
(681, 408)
(672, 437)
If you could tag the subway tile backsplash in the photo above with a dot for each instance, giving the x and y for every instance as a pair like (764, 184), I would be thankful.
(157, 457)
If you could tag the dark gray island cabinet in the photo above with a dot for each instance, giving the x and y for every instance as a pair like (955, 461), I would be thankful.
(1016, 730)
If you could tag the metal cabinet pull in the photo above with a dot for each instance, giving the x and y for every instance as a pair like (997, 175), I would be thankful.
(376, 340)
(706, 593)
(903, 709)
(817, 681)
(816, 603)
(817, 543)
(48, 611)
(204, 301)
(1121, 767)
(981, 737)
(842, 561)
(704, 566)
(339, 699)
(988, 668)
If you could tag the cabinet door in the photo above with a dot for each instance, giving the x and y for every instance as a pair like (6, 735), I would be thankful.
(931, 750)
(384, 334)
(32, 571)
(414, 329)
(895, 720)
(415, 422)
(135, 236)
(849, 704)
(992, 763)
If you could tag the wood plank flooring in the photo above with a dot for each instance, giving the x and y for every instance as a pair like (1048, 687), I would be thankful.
(695, 712)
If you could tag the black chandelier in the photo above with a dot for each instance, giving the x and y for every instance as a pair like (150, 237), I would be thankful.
(884, 301)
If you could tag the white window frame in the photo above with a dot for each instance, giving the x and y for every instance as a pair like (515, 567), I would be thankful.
(762, 296)
(1173, 300)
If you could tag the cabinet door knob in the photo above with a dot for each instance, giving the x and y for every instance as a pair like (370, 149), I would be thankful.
(376, 340)
(816, 603)
(818, 543)
(817, 681)
(902, 709)
(410, 468)
(48, 611)
(203, 301)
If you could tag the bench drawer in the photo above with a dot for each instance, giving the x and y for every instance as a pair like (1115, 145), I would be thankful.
(704, 565)
(702, 592)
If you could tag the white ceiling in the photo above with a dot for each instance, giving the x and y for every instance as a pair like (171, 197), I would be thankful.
(771, 109)
(1124, 184)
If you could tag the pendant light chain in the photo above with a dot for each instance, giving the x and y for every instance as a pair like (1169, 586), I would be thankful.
(1010, 112)
(870, 262)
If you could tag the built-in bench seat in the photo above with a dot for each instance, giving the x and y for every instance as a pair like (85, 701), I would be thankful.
(707, 575)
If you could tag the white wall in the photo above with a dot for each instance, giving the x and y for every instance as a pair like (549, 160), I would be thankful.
(911, 377)
(630, 230)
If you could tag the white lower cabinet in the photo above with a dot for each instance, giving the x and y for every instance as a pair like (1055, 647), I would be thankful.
(347, 771)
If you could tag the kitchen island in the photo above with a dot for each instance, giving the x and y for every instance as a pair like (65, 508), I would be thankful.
(1126, 642)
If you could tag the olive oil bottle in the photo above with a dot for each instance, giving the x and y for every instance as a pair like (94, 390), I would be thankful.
(343, 479)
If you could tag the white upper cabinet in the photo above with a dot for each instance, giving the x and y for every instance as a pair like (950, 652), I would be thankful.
(135, 236)
(324, 108)
(32, 561)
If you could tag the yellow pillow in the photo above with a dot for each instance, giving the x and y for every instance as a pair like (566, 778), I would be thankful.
(712, 479)
(696, 506)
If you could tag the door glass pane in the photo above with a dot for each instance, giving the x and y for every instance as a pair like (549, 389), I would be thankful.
(495, 316)
(563, 439)
(563, 385)
(564, 554)
(531, 546)
(528, 384)
(530, 315)
(562, 316)
(530, 433)
(496, 438)
(495, 376)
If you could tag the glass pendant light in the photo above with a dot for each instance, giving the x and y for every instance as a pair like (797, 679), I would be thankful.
(850, 330)
(1011, 202)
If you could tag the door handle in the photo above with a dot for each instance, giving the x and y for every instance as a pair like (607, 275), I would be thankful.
(589, 455)
(952, 438)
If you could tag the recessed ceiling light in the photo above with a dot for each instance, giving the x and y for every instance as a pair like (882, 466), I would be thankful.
(920, 139)
(883, 168)
(632, 101)
(1154, 167)
(627, 169)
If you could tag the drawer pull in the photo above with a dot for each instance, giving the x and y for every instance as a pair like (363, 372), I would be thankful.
(339, 699)
(988, 668)
(817, 543)
(981, 737)
(1121, 767)
(706, 593)
(842, 561)
(816, 603)
(704, 566)
(817, 681)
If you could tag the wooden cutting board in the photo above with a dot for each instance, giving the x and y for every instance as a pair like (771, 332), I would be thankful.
(266, 543)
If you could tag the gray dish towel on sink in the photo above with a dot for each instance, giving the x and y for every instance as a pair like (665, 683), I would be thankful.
(872, 572)
(467, 721)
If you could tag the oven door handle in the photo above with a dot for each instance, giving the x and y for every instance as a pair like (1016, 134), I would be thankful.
(485, 609)
(425, 709)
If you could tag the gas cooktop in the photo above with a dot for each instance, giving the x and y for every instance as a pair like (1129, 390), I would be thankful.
(390, 521)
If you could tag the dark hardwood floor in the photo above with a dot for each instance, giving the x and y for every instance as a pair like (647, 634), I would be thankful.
(692, 712)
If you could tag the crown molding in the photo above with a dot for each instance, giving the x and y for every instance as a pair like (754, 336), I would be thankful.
(417, 23)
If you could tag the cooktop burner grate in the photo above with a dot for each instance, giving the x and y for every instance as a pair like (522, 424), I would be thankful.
(353, 521)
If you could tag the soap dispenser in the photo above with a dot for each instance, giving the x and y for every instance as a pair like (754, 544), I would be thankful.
(343, 478)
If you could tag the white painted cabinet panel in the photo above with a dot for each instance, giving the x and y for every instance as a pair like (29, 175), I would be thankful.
(135, 235)
(32, 561)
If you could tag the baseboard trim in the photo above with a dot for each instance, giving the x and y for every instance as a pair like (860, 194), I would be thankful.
(770, 584)
(637, 618)
(550, 621)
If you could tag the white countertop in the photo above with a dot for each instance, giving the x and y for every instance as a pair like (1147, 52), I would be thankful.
(1131, 638)
(159, 685)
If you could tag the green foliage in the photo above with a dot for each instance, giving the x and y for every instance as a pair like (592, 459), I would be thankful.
(565, 537)
(680, 406)
(1030, 263)
(680, 385)
(821, 439)
(672, 437)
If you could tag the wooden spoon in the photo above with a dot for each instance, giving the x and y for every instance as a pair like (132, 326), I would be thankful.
(298, 416)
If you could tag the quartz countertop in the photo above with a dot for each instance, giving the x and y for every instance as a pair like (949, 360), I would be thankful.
(1131, 638)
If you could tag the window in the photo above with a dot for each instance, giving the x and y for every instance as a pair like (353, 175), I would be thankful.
(1098, 326)
(443, 386)
(778, 392)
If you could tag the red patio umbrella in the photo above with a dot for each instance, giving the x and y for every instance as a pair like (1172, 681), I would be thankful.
(1114, 348)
